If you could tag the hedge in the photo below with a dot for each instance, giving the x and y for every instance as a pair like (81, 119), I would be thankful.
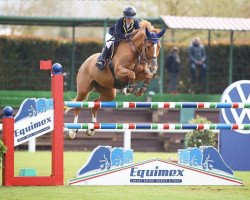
(20, 56)
(218, 66)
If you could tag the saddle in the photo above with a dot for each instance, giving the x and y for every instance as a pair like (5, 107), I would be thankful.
(117, 83)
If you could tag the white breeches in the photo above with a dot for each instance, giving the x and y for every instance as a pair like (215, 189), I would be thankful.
(107, 39)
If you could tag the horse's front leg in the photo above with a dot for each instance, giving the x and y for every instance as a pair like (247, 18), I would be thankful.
(129, 89)
(129, 75)
(143, 89)
(146, 75)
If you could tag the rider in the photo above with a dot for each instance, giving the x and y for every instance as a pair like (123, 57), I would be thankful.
(120, 30)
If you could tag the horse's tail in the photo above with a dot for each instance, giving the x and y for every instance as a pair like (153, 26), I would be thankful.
(67, 109)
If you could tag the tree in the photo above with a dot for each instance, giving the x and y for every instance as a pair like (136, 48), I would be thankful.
(198, 138)
(2, 151)
(31, 8)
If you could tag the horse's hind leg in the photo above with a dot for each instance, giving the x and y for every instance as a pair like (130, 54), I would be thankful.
(91, 132)
(106, 94)
(82, 94)
(79, 97)
(94, 111)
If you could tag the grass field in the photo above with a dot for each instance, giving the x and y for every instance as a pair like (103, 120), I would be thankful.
(74, 160)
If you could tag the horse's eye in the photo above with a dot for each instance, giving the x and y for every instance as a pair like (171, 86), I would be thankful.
(148, 47)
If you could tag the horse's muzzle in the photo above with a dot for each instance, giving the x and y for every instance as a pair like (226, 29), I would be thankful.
(153, 65)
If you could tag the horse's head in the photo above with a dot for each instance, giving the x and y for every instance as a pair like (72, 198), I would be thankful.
(152, 48)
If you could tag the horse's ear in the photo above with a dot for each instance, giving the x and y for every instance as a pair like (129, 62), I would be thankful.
(147, 32)
(161, 33)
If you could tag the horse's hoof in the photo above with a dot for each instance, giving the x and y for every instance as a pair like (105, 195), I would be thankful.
(72, 134)
(137, 92)
(90, 132)
(124, 91)
(149, 75)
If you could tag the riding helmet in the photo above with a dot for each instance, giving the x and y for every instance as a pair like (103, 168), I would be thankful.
(129, 12)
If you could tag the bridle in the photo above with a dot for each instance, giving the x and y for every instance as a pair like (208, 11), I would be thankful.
(142, 56)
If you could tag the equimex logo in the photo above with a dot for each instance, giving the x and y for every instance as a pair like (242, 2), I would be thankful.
(34, 118)
(237, 92)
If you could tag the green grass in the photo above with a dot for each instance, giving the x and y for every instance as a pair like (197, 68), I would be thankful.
(74, 160)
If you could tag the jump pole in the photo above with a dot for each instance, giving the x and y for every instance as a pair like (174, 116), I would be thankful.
(156, 105)
(156, 126)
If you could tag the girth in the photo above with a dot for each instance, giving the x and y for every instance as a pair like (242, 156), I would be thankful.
(118, 84)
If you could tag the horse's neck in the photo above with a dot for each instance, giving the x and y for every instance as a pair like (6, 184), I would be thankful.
(138, 40)
(129, 54)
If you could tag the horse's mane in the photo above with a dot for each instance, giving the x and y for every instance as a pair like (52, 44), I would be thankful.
(145, 23)
(140, 34)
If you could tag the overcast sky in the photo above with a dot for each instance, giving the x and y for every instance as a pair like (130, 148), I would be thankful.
(77, 8)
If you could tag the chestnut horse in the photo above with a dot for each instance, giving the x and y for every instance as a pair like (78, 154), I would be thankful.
(133, 60)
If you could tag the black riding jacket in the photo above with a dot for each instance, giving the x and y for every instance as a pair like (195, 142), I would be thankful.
(119, 30)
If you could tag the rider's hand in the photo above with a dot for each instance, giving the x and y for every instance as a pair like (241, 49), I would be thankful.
(128, 35)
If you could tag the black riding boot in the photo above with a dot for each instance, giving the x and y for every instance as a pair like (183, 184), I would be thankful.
(102, 58)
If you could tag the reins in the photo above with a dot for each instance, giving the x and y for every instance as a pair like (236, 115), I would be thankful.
(141, 55)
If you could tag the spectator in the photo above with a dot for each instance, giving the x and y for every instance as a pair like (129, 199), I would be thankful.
(173, 67)
(197, 56)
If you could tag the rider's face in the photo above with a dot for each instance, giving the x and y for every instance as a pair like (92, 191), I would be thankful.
(129, 20)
